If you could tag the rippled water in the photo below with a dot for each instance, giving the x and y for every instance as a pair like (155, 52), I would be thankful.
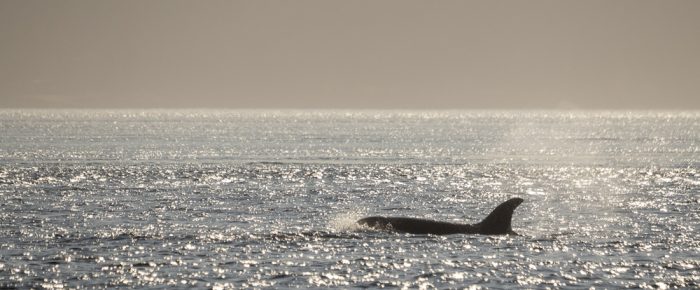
(265, 199)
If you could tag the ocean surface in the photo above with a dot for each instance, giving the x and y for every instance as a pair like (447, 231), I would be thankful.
(269, 199)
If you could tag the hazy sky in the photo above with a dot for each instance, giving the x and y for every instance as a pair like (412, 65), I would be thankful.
(632, 54)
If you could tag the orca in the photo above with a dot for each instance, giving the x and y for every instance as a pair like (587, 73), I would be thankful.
(496, 223)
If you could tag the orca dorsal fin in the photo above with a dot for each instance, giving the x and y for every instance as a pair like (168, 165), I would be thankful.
(498, 221)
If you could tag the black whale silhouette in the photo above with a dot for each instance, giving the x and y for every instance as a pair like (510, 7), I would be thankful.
(496, 223)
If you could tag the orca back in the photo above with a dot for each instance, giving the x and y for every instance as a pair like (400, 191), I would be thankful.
(496, 223)
(415, 225)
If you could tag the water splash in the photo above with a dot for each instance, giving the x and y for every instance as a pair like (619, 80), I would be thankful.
(345, 221)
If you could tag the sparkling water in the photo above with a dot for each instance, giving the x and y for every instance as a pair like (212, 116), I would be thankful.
(269, 199)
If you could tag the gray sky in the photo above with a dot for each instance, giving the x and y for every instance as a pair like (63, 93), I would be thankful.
(626, 54)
